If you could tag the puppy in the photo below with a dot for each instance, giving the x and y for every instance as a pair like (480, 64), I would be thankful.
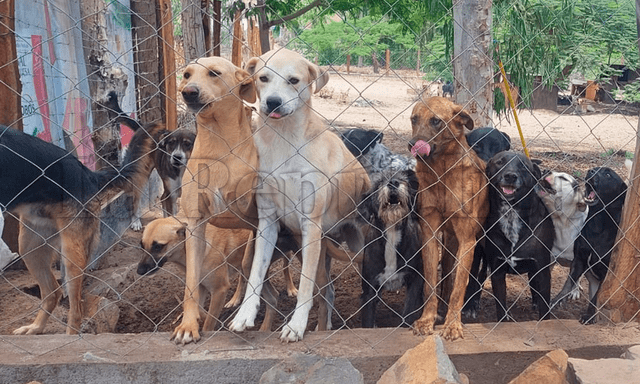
(604, 194)
(393, 241)
(487, 142)
(170, 160)
(218, 185)
(568, 210)
(519, 230)
(58, 201)
(311, 184)
(453, 200)
(366, 145)
(164, 241)
(6, 256)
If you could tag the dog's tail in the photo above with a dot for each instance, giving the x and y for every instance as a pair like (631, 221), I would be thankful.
(115, 112)
(136, 167)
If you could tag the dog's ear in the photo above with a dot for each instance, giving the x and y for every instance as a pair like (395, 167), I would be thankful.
(537, 173)
(251, 65)
(247, 86)
(321, 78)
(161, 138)
(462, 117)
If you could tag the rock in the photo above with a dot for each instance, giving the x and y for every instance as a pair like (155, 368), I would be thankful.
(119, 278)
(633, 353)
(100, 315)
(549, 369)
(425, 363)
(312, 370)
(605, 371)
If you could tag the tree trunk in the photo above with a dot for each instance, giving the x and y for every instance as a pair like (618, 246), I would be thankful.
(387, 61)
(10, 85)
(106, 134)
(360, 61)
(236, 45)
(418, 61)
(348, 63)
(472, 66)
(192, 30)
(620, 290)
(374, 59)
(217, 26)
(264, 27)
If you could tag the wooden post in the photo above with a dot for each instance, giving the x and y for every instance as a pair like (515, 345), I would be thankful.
(256, 50)
(10, 85)
(387, 58)
(236, 47)
(376, 65)
(418, 62)
(145, 53)
(620, 292)
(168, 65)
(206, 26)
(348, 63)
(217, 26)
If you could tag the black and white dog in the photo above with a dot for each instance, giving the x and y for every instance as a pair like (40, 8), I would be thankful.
(605, 193)
(392, 244)
(519, 232)
(170, 160)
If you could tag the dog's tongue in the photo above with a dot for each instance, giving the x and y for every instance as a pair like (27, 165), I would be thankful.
(507, 191)
(275, 115)
(592, 195)
(421, 147)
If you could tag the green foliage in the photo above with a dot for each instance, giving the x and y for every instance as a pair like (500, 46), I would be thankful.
(632, 92)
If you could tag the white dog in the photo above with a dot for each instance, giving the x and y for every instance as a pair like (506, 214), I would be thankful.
(310, 182)
(6, 256)
(568, 212)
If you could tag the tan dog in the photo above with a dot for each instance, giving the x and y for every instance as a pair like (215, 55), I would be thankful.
(454, 201)
(221, 173)
(311, 183)
(164, 241)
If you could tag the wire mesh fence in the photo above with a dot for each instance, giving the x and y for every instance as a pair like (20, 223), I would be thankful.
(328, 184)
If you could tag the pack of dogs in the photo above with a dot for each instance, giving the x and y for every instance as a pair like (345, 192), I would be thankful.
(463, 194)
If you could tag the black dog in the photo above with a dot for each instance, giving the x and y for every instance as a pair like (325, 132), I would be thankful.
(447, 89)
(392, 252)
(519, 232)
(366, 145)
(604, 193)
(487, 142)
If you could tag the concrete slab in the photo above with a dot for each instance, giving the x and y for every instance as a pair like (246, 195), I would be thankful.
(225, 357)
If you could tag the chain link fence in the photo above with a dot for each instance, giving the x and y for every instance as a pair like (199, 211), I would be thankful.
(574, 85)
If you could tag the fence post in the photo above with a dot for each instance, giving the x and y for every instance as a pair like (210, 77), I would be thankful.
(620, 290)
(192, 30)
(168, 65)
(10, 85)
(387, 60)
(236, 46)
(217, 26)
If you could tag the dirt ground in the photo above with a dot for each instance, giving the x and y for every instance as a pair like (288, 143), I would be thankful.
(565, 141)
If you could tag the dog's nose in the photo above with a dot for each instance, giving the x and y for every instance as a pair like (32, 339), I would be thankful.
(273, 103)
(510, 177)
(178, 158)
(190, 93)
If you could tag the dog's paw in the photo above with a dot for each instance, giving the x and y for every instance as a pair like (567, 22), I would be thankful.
(452, 331)
(470, 313)
(234, 302)
(136, 225)
(291, 333)
(292, 291)
(423, 327)
(588, 318)
(244, 319)
(31, 329)
(186, 332)
(575, 293)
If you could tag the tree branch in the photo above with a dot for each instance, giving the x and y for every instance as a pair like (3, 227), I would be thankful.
(292, 16)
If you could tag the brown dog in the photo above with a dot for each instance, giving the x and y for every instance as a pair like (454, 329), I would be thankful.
(164, 240)
(454, 201)
(218, 184)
